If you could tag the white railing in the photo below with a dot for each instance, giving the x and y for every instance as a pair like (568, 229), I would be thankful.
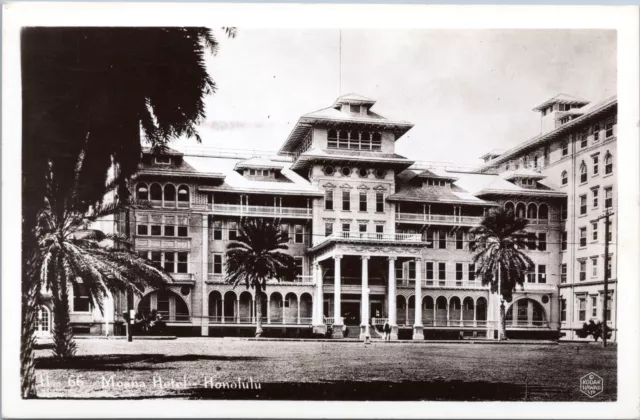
(374, 236)
(439, 218)
(378, 321)
(298, 279)
(526, 324)
(442, 283)
(268, 211)
(249, 320)
(537, 286)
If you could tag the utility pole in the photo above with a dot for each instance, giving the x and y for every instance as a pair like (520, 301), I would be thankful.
(605, 302)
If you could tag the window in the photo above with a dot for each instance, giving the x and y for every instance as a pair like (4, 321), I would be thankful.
(609, 231)
(346, 201)
(542, 241)
(379, 202)
(594, 267)
(459, 272)
(362, 228)
(298, 267)
(609, 267)
(346, 227)
(217, 230)
(564, 179)
(363, 172)
(542, 273)
(531, 241)
(565, 148)
(609, 304)
(156, 257)
(535, 162)
(328, 200)
(81, 300)
(155, 192)
(328, 228)
(169, 262)
(472, 272)
(354, 108)
(346, 171)
(412, 270)
(363, 201)
(596, 132)
(376, 142)
(442, 271)
(429, 270)
(156, 230)
(459, 239)
(442, 239)
(332, 137)
(169, 230)
(594, 306)
(143, 192)
(531, 273)
(594, 230)
(163, 160)
(217, 263)
(582, 309)
(608, 197)
(183, 264)
(594, 194)
(595, 165)
(563, 242)
(563, 273)
(583, 270)
(608, 130)
(583, 236)
(583, 140)
(252, 171)
(583, 204)
(608, 164)
(430, 239)
(169, 195)
(472, 241)
(143, 230)
(328, 170)
(298, 234)
(583, 173)
(563, 309)
(233, 231)
(284, 228)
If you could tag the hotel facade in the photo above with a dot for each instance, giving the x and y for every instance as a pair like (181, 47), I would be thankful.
(376, 236)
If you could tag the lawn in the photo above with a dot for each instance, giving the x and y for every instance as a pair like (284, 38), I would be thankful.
(213, 368)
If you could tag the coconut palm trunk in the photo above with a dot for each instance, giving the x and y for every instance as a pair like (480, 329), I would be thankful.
(258, 312)
(29, 319)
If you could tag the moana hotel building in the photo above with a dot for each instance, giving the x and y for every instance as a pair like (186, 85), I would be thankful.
(375, 235)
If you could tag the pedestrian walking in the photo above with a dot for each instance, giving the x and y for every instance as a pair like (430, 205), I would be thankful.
(387, 331)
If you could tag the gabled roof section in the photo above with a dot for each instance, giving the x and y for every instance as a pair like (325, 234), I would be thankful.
(491, 185)
(320, 155)
(435, 174)
(258, 163)
(179, 168)
(522, 173)
(563, 99)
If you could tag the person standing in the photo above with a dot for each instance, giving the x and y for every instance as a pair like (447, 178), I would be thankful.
(387, 331)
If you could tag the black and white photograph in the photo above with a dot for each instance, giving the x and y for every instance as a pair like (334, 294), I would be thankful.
(323, 213)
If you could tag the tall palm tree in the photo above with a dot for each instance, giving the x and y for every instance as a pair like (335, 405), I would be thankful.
(499, 258)
(72, 255)
(256, 256)
(105, 87)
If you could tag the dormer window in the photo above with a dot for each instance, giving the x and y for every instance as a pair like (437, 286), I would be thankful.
(163, 160)
(354, 108)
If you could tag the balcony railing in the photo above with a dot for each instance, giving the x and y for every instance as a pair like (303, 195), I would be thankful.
(260, 211)
(219, 278)
(537, 286)
(526, 324)
(444, 219)
(251, 320)
(375, 236)
(442, 283)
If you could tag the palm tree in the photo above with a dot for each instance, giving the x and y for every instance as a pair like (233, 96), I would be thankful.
(72, 255)
(498, 258)
(102, 87)
(258, 255)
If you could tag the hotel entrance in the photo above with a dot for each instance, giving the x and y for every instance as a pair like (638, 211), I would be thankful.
(350, 308)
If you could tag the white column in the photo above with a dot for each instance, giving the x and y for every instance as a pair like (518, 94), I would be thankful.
(336, 291)
(393, 316)
(268, 309)
(417, 326)
(222, 310)
(364, 305)
(318, 302)
(298, 297)
(204, 329)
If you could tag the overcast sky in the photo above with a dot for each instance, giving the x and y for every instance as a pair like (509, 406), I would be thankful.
(466, 91)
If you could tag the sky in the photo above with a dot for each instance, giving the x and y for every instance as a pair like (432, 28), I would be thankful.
(466, 91)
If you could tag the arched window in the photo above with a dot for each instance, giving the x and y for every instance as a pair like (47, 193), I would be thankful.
(608, 164)
(183, 196)
(354, 140)
(155, 192)
(376, 142)
(365, 141)
(564, 178)
(509, 207)
(583, 172)
(543, 212)
(332, 138)
(169, 194)
(520, 211)
(532, 211)
(142, 191)
(343, 140)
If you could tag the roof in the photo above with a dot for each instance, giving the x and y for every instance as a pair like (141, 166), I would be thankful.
(292, 183)
(522, 173)
(431, 194)
(178, 169)
(316, 154)
(353, 98)
(258, 163)
(590, 111)
(492, 153)
(563, 99)
(435, 174)
(482, 184)
(333, 115)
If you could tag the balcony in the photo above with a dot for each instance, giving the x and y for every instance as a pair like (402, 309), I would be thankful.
(251, 320)
(183, 278)
(260, 211)
(438, 219)
(299, 280)
(436, 284)
(537, 286)
(375, 237)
